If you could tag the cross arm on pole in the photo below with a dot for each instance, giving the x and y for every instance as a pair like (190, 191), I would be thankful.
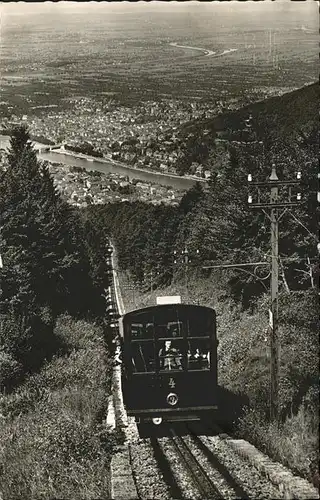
(245, 264)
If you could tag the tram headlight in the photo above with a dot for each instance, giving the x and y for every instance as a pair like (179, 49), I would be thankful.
(157, 420)
(172, 399)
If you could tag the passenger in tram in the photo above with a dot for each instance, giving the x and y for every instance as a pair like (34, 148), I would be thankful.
(198, 360)
(204, 357)
(170, 357)
(194, 359)
(172, 331)
(175, 333)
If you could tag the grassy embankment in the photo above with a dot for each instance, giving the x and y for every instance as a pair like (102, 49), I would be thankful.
(54, 439)
(244, 367)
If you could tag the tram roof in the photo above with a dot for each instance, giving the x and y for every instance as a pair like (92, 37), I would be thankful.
(163, 307)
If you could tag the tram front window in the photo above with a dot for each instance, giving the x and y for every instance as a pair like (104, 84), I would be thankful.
(143, 356)
(170, 357)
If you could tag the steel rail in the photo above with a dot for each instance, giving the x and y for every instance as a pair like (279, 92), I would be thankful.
(239, 491)
(200, 478)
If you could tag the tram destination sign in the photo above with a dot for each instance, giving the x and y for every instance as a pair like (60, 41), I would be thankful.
(169, 299)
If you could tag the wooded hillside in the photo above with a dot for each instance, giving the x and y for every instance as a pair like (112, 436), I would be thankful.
(48, 262)
(275, 121)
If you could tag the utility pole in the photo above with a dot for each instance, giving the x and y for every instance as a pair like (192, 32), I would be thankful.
(1, 290)
(1, 267)
(287, 199)
(151, 281)
(274, 288)
(186, 261)
(149, 278)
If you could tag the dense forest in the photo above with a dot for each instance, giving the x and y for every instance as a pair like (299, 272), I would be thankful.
(50, 262)
(284, 119)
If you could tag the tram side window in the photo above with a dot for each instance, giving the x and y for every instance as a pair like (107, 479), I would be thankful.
(142, 330)
(198, 354)
(200, 325)
(136, 330)
(143, 356)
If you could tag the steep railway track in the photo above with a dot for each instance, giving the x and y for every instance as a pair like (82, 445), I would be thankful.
(206, 487)
(191, 470)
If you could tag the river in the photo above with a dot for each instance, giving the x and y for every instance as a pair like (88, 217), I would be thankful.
(206, 52)
(109, 166)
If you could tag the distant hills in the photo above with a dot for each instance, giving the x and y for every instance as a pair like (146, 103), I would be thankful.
(277, 116)
(281, 117)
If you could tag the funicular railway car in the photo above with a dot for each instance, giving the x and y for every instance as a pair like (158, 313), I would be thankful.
(170, 362)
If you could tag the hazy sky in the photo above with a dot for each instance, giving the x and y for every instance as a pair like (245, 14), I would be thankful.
(270, 13)
(239, 7)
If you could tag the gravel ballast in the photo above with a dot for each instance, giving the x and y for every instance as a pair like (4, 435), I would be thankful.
(148, 477)
(289, 486)
(257, 486)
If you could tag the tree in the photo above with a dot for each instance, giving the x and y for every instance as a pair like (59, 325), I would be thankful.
(49, 263)
(183, 165)
(41, 232)
(191, 198)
